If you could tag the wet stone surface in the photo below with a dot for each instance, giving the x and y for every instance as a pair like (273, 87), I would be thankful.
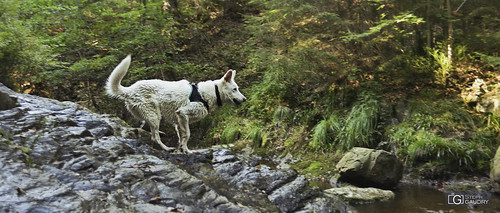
(59, 157)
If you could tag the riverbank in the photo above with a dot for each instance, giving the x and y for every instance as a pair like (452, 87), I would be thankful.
(60, 157)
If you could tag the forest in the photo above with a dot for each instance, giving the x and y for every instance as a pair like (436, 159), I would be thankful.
(320, 76)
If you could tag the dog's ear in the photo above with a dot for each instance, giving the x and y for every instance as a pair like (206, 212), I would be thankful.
(229, 76)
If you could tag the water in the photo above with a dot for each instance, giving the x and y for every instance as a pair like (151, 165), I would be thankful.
(418, 198)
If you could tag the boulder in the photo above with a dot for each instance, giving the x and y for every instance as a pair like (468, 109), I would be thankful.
(370, 167)
(7, 102)
(495, 171)
(490, 102)
(355, 195)
(471, 95)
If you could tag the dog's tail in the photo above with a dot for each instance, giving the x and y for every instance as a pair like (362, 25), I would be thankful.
(113, 85)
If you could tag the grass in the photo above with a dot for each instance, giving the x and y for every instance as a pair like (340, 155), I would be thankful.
(419, 141)
(282, 114)
(361, 124)
(230, 134)
(357, 129)
(323, 136)
(257, 135)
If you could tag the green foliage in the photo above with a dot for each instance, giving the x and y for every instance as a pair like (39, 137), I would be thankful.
(230, 134)
(361, 124)
(282, 114)
(257, 135)
(442, 73)
(359, 128)
(434, 132)
(493, 61)
(455, 153)
(324, 133)
(404, 17)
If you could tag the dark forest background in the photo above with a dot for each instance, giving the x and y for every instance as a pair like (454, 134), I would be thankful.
(321, 76)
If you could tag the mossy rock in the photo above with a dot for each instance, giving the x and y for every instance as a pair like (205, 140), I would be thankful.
(370, 167)
(495, 171)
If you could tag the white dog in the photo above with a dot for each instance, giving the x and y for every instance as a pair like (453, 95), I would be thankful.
(177, 102)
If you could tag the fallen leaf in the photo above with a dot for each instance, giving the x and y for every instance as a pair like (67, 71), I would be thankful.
(20, 191)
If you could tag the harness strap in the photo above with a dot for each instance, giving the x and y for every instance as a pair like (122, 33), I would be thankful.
(219, 101)
(196, 97)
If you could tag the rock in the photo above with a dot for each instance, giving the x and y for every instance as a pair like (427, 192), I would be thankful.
(490, 102)
(471, 95)
(355, 195)
(288, 198)
(370, 167)
(59, 157)
(495, 171)
(7, 102)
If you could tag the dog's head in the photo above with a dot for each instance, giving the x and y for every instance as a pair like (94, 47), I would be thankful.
(229, 89)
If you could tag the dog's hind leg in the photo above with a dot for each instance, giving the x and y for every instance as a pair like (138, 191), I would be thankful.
(183, 131)
(151, 115)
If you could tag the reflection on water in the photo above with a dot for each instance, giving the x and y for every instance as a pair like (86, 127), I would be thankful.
(417, 198)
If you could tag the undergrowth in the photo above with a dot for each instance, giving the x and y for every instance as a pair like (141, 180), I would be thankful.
(443, 133)
(356, 129)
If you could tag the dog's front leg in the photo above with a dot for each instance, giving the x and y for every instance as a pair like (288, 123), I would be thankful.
(192, 112)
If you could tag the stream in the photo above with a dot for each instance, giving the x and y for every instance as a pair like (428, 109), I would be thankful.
(421, 198)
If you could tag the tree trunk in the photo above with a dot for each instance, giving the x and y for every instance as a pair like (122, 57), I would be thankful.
(428, 24)
(450, 31)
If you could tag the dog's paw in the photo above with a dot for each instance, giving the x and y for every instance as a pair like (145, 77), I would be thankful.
(183, 151)
(169, 149)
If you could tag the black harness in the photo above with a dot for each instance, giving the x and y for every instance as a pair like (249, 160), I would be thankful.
(196, 97)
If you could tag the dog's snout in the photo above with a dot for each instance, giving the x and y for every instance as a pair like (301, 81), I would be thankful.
(244, 99)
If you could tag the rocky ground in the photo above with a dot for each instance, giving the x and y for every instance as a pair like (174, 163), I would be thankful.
(59, 157)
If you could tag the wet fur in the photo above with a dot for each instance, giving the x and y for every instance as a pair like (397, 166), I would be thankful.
(154, 100)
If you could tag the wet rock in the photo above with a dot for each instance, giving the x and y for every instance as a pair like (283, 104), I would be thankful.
(7, 102)
(290, 197)
(230, 169)
(80, 163)
(223, 156)
(370, 167)
(110, 148)
(355, 195)
(59, 157)
(270, 179)
(145, 190)
(77, 131)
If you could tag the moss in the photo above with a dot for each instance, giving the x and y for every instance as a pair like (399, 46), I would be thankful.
(297, 138)
(317, 164)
